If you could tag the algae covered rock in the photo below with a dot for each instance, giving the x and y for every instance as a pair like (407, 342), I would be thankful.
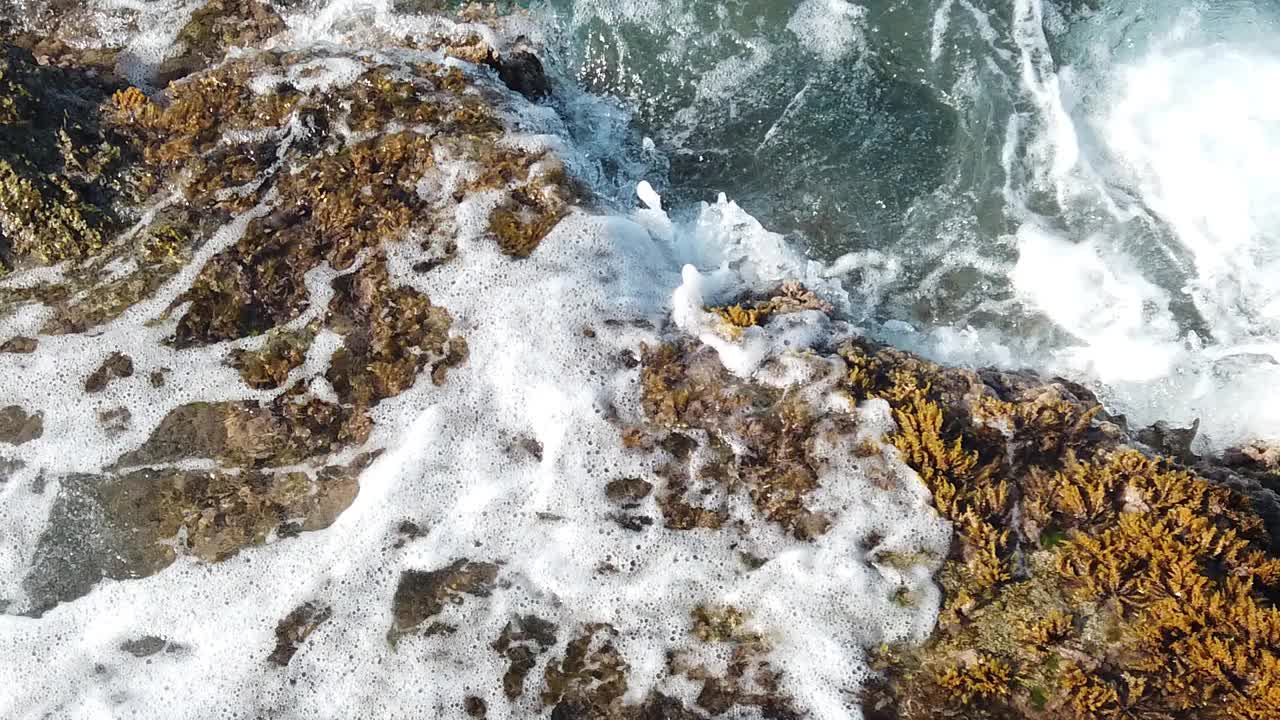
(18, 426)
(1090, 579)
(1089, 575)
(59, 169)
(277, 284)
(123, 526)
(266, 200)
(421, 596)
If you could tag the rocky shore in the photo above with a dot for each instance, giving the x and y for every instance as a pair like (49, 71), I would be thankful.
(256, 213)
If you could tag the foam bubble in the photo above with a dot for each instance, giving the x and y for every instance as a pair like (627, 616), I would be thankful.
(831, 29)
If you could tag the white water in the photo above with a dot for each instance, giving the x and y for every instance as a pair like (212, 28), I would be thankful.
(1108, 211)
(1176, 136)
(1173, 132)
(532, 372)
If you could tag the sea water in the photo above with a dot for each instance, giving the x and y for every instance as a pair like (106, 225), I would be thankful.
(1077, 189)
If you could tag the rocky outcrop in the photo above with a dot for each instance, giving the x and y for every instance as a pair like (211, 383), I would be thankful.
(271, 206)
(148, 182)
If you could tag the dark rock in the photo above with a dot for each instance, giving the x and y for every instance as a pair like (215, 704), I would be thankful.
(475, 707)
(294, 629)
(215, 28)
(9, 466)
(1171, 441)
(17, 426)
(122, 526)
(521, 642)
(634, 523)
(146, 646)
(117, 365)
(115, 420)
(522, 71)
(628, 491)
(19, 345)
(421, 595)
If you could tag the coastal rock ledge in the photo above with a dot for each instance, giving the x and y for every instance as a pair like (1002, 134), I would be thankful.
(327, 376)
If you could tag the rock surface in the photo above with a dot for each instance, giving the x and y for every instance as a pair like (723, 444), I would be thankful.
(1095, 570)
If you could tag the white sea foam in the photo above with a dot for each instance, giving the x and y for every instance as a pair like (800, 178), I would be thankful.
(1163, 158)
(831, 29)
(532, 373)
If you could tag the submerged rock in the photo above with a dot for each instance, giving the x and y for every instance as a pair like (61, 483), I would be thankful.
(421, 596)
(135, 524)
(116, 365)
(294, 629)
(17, 426)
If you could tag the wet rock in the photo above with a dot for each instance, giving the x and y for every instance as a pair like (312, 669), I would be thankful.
(115, 420)
(591, 678)
(634, 523)
(17, 426)
(1257, 457)
(294, 629)
(522, 71)
(269, 367)
(528, 447)
(213, 29)
(60, 171)
(406, 532)
(123, 526)
(1062, 525)
(392, 335)
(19, 345)
(117, 365)
(293, 427)
(521, 642)
(685, 386)
(628, 492)
(422, 595)
(149, 645)
(1171, 441)
(475, 707)
(9, 466)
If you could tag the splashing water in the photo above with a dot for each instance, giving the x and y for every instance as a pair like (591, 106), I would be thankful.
(1091, 192)
(1085, 191)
